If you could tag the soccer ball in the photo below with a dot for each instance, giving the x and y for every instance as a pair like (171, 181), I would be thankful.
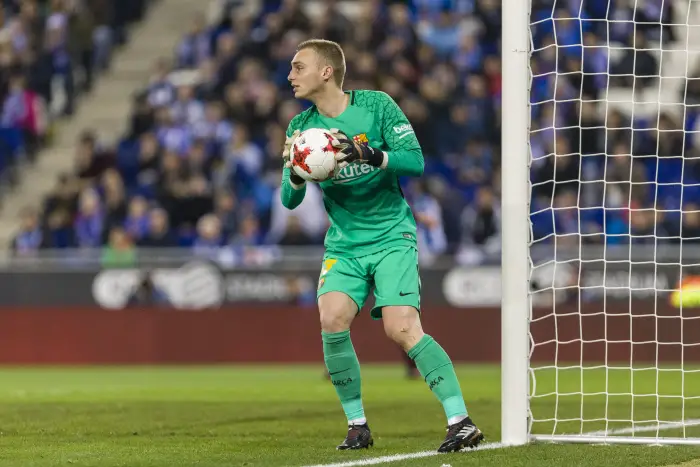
(313, 155)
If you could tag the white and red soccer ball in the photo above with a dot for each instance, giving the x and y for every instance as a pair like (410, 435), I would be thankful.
(313, 155)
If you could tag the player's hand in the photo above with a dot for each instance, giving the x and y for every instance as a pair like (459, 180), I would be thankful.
(351, 151)
(287, 156)
(287, 153)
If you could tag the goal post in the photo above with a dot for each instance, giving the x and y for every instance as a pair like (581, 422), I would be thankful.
(600, 201)
(515, 306)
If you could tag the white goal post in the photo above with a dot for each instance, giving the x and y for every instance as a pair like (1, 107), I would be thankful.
(600, 315)
(515, 307)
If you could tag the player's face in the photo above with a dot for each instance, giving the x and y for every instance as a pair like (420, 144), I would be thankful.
(306, 75)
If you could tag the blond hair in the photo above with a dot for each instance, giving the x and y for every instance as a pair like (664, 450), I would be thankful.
(331, 53)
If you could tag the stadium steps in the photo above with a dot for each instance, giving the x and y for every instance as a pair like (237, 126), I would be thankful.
(107, 109)
(678, 60)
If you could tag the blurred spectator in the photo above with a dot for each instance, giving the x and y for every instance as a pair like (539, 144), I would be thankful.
(690, 224)
(30, 237)
(23, 110)
(294, 235)
(59, 232)
(638, 66)
(158, 233)
(89, 221)
(481, 228)
(311, 210)
(644, 229)
(195, 47)
(64, 196)
(432, 241)
(137, 219)
(120, 251)
(210, 236)
(225, 209)
(442, 34)
(248, 233)
(91, 159)
(560, 171)
(114, 199)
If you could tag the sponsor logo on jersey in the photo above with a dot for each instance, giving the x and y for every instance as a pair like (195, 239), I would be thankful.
(352, 172)
(406, 129)
(401, 128)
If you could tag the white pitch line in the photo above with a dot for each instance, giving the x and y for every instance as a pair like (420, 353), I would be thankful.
(646, 428)
(483, 447)
(402, 457)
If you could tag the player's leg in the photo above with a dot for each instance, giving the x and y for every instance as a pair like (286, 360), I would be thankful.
(342, 290)
(397, 289)
(411, 368)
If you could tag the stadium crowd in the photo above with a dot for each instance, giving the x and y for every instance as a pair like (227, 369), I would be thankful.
(50, 53)
(200, 166)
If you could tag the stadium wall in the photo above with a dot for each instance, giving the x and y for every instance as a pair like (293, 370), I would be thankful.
(289, 334)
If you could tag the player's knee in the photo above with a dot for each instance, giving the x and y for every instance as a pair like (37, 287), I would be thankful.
(332, 321)
(403, 326)
(336, 312)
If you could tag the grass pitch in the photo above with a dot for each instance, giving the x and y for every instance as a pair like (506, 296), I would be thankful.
(289, 416)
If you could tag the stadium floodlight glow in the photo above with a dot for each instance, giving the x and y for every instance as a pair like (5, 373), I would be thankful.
(600, 327)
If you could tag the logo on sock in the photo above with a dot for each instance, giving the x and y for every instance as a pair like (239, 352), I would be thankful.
(435, 382)
(342, 382)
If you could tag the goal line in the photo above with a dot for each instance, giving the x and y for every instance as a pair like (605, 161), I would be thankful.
(601, 437)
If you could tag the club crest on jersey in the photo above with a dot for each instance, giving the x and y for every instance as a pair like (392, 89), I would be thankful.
(361, 138)
(327, 265)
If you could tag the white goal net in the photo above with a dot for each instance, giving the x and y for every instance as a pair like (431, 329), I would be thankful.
(614, 249)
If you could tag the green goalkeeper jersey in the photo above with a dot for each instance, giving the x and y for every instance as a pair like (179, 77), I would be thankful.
(365, 204)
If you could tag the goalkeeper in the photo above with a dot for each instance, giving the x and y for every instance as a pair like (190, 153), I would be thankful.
(371, 241)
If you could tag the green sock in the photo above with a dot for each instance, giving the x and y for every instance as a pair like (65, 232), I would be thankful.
(436, 368)
(344, 369)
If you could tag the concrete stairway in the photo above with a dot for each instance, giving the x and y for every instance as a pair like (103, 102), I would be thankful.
(106, 110)
(677, 61)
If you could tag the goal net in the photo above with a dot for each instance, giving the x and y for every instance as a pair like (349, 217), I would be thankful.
(614, 221)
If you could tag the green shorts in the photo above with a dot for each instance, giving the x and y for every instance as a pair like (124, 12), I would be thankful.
(392, 272)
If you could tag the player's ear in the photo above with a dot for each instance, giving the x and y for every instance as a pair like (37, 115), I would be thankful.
(327, 72)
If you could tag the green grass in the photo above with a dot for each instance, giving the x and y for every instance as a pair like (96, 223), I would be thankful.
(289, 416)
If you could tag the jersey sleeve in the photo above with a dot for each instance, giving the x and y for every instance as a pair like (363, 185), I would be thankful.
(404, 154)
(292, 195)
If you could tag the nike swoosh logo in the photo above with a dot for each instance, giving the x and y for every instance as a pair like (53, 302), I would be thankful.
(336, 372)
(403, 294)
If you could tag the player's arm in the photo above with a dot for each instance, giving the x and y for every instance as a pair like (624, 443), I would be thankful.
(404, 155)
(292, 193)
(293, 186)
